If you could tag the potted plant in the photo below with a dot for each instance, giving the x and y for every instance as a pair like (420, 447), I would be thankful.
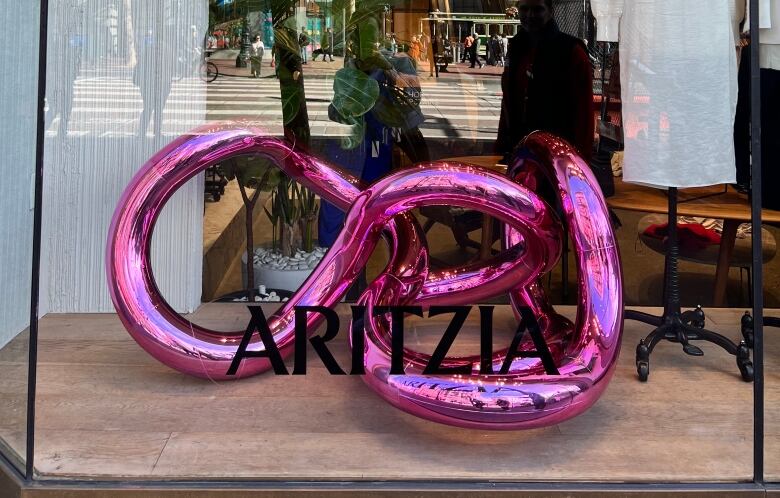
(288, 259)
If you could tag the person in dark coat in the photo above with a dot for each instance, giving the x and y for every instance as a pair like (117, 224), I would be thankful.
(547, 83)
(474, 51)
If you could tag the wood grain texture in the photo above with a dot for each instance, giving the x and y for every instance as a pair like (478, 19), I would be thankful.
(105, 409)
(708, 202)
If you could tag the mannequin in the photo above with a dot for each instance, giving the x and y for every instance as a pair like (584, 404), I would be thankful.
(679, 83)
(678, 72)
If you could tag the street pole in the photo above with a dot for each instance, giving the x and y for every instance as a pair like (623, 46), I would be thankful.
(243, 55)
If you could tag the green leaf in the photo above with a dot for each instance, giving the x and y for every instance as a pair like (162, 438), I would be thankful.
(368, 31)
(355, 93)
(358, 131)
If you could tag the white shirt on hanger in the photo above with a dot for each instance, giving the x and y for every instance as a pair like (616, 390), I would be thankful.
(678, 73)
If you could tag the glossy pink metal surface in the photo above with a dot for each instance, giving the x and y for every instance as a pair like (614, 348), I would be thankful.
(585, 353)
(526, 397)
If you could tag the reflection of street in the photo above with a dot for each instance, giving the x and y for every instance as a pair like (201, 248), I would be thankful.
(464, 108)
(108, 103)
(452, 108)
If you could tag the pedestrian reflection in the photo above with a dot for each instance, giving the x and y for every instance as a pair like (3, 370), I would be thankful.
(66, 45)
(156, 56)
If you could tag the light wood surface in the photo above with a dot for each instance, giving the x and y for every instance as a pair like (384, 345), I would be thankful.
(487, 162)
(705, 202)
(107, 409)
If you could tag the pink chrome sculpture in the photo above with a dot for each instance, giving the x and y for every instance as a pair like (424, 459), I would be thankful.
(584, 353)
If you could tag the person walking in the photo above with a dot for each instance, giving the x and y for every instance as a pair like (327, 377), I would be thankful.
(504, 48)
(490, 51)
(440, 54)
(415, 49)
(155, 54)
(423, 46)
(303, 42)
(275, 61)
(256, 56)
(475, 51)
(326, 44)
(467, 42)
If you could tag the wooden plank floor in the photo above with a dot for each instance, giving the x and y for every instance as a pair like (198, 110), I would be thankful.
(106, 409)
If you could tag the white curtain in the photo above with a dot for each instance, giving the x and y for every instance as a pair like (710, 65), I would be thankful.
(121, 83)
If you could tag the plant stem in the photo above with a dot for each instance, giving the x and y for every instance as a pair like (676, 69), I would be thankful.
(250, 260)
(249, 206)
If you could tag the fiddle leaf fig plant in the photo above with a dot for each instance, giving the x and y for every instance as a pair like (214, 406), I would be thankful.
(355, 93)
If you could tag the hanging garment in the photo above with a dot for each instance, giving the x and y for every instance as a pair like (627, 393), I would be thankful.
(769, 60)
(678, 73)
(769, 34)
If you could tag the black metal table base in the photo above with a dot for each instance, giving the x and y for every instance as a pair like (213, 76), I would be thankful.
(747, 326)
(678, 326)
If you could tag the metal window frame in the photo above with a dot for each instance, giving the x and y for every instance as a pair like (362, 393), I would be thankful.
(758, 262)
(28, 481)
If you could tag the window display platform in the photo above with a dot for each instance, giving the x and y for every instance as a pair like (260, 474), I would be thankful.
(106, 410)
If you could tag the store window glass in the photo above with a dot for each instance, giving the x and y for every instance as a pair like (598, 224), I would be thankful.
(124, 78)
(375, 88)
(19, 102)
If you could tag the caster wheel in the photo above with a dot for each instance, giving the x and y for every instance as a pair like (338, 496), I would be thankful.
(747, 329)
(699, 319)
(743, 362)
(643, 370)
(217, 197)
(746, 369)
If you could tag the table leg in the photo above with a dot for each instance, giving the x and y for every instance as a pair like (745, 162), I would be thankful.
(727, 240)
(487, 237)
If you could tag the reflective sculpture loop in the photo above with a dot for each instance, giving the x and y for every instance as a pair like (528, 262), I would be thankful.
(524, 397)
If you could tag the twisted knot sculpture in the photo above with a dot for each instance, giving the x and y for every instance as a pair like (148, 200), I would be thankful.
(525, 396)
